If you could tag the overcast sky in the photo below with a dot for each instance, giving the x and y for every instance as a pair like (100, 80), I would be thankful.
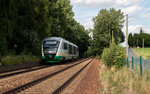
(138, 11)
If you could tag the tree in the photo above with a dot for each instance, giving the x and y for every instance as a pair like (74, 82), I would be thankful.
(62, 18)
(106, 22)
(138, 39)
(25, 23)
(130, 38)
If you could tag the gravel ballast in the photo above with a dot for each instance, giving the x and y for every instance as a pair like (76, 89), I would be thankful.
(87, 82)
(48, 86)
(18, 80)
(90, 84)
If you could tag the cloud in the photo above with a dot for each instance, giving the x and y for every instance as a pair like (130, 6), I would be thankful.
(136, 29)
(126, 2)
(132, 29)
(88, 23)
(127, 6)
(146, 29)
(132, 9)
(146, 15)
(105, 3)
(85, 11)
(92, 3)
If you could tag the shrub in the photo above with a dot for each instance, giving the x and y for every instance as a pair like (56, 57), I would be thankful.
(112, 56)
(17, 59)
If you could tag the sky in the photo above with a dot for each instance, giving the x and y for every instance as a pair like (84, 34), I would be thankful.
(137, 10)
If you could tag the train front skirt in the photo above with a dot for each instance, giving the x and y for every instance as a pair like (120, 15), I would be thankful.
(49, 59)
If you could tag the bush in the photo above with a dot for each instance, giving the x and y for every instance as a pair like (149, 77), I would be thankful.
(17, 59)
(112, 56)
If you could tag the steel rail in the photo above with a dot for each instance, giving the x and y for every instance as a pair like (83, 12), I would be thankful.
(25, 86)
(21, 72)
(16, 69)
(25, 70)
(64, 85)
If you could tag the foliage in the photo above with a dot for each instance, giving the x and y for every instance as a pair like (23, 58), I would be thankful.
(130, 40)
(22, 24)
(25, 23)
(112, 56)
(137, 39)
(17, 59)
(106, 22)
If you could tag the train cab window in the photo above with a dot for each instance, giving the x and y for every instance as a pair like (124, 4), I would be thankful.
(51, 43)
(65, 46)
(62, 46)
(70, 49)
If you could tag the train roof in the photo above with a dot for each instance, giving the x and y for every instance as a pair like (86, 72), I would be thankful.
(53, 38)
(59, 39)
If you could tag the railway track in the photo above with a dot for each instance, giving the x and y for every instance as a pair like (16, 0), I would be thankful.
(6, 74)
(21, 71)
(10, 68)
(42, 79)
(66, 83)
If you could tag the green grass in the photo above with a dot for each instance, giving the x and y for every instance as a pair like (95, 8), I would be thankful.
(17, 59)
(143, 52)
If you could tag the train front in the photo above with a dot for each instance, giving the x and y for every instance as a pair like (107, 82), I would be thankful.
(49, 51)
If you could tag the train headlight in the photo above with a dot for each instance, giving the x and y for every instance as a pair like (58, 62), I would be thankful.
(49, 51)
(52, 51)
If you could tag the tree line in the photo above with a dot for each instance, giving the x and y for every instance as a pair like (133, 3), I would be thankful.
(25, 23)
(137, 40)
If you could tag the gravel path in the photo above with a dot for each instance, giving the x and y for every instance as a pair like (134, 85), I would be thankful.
(131, 53)
(90, 84)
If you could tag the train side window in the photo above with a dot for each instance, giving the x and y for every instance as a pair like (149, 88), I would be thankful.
(74, 48)
(65, 46)
(70, 49)
(77, 49)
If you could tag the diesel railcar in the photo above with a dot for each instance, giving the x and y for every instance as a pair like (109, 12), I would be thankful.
(56, 49)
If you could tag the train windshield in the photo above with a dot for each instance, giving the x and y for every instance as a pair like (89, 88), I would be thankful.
(51, 43)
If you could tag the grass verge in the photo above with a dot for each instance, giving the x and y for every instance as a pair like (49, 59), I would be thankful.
(123, 81)
(142, 52)
(17, 59)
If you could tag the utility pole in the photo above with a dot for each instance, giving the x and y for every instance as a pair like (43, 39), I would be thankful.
(127, 35)
(137, 43)
(143, 46)
(112, 36)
